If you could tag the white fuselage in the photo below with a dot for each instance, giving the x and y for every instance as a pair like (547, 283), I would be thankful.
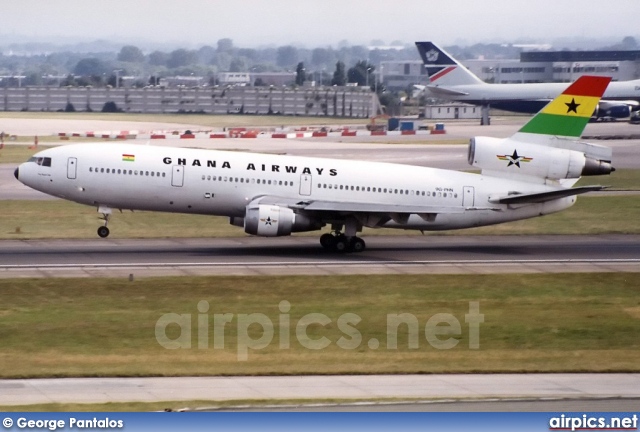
(487, 93)
(182, 180)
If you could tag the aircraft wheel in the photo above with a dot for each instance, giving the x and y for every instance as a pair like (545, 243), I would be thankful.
(357, 244)
(327, 241)
(341, 244)
(103, 231)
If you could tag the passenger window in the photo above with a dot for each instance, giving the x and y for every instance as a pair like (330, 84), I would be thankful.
(152, 174)
(107, 170)
(368, 189)
(101, 170)
(280, 183)
(90, 169)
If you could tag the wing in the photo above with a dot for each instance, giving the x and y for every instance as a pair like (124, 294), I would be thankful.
(539, 197)
(375, 212)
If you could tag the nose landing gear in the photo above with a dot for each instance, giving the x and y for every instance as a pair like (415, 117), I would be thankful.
(103, 231)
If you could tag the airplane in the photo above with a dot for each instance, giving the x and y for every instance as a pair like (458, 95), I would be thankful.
(526, 175)
(449, 79)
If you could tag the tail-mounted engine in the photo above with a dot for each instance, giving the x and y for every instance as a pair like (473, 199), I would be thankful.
(535, 160)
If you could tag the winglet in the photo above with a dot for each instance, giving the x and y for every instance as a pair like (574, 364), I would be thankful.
(568, 114)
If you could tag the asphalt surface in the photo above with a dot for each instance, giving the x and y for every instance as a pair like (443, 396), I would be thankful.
(303, 255)
(427, 387)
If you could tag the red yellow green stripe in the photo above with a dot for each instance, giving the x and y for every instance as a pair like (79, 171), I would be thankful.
(128, 158)
(569, 113)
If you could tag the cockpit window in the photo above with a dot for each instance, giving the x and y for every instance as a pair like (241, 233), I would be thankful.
(42, 161)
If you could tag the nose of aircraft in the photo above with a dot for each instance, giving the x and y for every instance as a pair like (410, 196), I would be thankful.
(16, 173)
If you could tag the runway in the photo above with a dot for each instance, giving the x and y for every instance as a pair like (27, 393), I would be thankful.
(304, 256)
(357, 387)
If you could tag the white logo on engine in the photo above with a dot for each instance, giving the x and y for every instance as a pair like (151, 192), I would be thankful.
(432, 55)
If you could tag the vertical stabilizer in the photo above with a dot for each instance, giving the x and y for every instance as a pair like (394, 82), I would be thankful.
(444, 70)
(568, 114)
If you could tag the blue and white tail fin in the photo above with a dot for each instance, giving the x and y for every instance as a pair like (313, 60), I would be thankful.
(444, 70)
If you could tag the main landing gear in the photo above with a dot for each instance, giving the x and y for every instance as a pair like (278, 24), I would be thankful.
(339, 242)
(347, 242)
(103, 231)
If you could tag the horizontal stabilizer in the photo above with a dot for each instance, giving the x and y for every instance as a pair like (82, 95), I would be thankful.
(539, 197)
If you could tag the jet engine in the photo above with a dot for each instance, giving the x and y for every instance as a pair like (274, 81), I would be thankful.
(615, 109)
(535, 160)
(274, 221)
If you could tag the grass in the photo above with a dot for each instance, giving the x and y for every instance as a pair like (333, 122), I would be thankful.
(63, 219)
(106, 327)
(16, 154)
(623, 179)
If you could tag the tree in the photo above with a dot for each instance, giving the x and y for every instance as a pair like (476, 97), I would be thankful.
(321, 57)
(182, 57)
(339, 77)
(361, 73)
(110, 107)
(287, 56)
(130, 53)
(158, 58)
(225, 45)
(301, 75)
(237, 65)
(89, 66)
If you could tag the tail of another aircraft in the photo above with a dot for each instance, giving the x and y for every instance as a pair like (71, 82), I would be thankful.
(444, 70)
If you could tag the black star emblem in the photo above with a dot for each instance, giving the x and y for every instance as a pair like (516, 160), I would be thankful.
(572, 106)
(268, 221)
(514, 159)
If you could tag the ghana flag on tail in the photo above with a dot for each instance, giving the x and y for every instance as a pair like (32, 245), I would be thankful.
(568, 114)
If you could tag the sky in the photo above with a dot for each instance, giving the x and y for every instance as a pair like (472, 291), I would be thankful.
(312, 23)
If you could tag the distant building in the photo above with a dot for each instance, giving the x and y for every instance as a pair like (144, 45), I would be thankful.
(532, 67)
(452, 111)
(250, 78)
(400, 75)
